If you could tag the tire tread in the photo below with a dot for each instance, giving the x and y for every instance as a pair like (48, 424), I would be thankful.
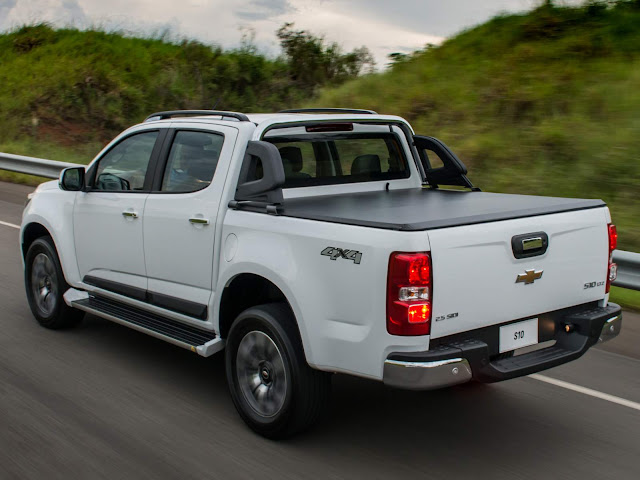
(311, 390)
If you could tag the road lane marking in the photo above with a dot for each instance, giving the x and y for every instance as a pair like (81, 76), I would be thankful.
(586, 391)
(7, 224)
(535, 376)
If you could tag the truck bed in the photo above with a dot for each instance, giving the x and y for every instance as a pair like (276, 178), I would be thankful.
(426, 209)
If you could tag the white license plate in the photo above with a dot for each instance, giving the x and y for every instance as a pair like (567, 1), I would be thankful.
(518, 335)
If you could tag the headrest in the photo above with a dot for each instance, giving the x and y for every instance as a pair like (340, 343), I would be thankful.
(366, 164)
(201, 165)
(291, 159)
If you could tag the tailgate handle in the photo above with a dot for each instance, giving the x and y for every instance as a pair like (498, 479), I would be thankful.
(529, 244)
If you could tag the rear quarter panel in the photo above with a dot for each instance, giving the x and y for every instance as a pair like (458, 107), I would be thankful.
(340, 306)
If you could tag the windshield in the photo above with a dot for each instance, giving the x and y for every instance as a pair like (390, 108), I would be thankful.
(331, 158)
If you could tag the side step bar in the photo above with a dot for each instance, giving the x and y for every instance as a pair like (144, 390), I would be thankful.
(202, 342)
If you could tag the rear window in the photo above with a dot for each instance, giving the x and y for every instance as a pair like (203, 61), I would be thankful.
(331, 158)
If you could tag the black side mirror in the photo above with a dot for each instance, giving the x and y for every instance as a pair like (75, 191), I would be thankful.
(72, 179)
(262, 174)
(452, 171)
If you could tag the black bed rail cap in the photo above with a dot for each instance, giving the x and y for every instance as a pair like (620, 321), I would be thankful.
(241, 117)
(328, 110)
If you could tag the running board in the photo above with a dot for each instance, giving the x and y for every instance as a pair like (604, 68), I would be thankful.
(202, 342)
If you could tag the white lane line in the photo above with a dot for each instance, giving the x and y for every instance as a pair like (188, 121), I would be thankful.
(586, 391)
(7, 224)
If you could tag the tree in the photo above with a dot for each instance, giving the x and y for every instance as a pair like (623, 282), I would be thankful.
(311, 62)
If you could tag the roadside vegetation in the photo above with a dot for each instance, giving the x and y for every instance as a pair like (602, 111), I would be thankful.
(64, 93)
(543, 103)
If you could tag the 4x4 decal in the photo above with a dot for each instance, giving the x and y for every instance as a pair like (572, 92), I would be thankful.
(334, 253)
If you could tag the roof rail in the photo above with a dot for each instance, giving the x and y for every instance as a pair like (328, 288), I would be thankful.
(187, 113)
(328, 110)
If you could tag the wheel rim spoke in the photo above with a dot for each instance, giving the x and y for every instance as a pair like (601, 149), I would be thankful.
(44, 284)
(261, 373)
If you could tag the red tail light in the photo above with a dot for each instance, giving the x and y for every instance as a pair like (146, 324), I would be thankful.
(409, 288)
(613, 237)
(612, 269)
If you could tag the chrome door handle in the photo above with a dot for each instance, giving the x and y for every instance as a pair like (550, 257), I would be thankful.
(130, 214)
(199, 221)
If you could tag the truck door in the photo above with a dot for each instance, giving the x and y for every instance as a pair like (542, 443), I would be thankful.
(107, 218)
(180, 217)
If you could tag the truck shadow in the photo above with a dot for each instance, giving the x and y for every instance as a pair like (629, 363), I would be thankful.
(500, 428)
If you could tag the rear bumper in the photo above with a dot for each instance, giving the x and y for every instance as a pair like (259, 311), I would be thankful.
(462, 359)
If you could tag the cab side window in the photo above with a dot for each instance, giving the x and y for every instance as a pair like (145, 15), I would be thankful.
(192, 161)
(124, 167)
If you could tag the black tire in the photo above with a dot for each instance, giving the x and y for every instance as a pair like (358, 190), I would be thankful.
(306, 393)
(45, 284)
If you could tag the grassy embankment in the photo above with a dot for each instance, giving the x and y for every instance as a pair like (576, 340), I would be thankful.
(65, 93)
(545, 103)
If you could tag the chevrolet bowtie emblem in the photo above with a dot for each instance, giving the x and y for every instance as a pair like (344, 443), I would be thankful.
(529, 276)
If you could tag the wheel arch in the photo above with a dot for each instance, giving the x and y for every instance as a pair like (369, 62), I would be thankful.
(30, 233)
(36, 226)
(247, 289)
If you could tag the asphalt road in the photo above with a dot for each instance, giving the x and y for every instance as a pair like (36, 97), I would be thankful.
(103, 401)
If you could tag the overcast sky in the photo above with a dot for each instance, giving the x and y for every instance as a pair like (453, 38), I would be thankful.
(385, 26)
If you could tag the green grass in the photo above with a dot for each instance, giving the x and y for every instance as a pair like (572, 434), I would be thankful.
(65, 92)
(88, 85)
(544, 103)
(626, 298)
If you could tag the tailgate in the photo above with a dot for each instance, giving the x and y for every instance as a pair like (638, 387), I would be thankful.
(475, 269)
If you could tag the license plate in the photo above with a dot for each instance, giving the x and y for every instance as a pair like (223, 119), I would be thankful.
(518, 335)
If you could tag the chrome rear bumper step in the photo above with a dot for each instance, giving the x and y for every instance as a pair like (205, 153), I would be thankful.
(203, 342)
(458, 360)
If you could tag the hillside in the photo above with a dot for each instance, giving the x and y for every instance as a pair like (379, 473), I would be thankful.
(86, 86)
(546, 103)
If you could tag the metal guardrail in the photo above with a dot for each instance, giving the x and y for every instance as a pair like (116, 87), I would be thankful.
(33, 166)
(628, 269)
(628, 262)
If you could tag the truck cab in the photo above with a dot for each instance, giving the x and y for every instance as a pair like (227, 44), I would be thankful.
(312, 242)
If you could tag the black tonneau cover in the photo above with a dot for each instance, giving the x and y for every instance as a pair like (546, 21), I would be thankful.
(425, 209)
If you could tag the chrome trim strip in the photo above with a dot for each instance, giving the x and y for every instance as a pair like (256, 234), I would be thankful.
(611, 329)
(426, 375)
(438, 363)
(531, 243)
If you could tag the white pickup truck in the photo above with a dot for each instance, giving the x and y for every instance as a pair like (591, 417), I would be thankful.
(310, 242)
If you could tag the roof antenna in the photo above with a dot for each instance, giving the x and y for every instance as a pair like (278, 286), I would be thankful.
(217, 102)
